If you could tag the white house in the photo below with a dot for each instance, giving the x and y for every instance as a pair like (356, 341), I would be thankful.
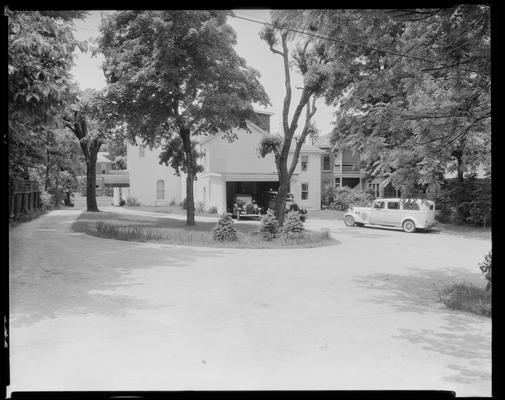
(229, 167)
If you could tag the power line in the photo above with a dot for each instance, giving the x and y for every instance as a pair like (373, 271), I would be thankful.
(402, 55)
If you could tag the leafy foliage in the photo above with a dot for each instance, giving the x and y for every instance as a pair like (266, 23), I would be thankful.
(270, 144)
(468, 201)
(269, 225)
(174, 75)
(40, 54)
(343, 198)
(461, 296)
(411, 119)
(132, 202)
(224, 229)
(119, 163)
(293, 226)
(485, 267)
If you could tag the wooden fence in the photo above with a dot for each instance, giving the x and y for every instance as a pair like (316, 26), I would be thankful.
(24, 198)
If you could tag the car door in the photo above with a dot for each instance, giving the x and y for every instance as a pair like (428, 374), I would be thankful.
(377, 215)
(392, 213)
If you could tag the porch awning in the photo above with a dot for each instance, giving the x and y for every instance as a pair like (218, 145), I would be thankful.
(251, 177)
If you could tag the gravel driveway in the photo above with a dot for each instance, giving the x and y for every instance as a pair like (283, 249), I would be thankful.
(99, 314)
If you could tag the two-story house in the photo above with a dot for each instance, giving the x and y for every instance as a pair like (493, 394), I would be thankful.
(341, 167)
(229, 167)
(107, 178)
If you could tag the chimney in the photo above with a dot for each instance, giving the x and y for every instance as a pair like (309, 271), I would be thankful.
(264, 120)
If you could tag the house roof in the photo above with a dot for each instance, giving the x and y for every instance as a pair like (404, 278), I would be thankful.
(101, 158)
(323, 141)
(111, 179)
(306, 148)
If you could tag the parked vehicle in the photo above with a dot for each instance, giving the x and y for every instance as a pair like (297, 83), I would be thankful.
(409, 214)
(269, 202)
(245, 206)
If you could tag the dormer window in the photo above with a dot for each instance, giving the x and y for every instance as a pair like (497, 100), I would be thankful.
(305, 163)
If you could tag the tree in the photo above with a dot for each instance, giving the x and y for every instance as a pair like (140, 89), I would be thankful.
(119, 162)
(92, 120)
(318, 70)
(40, 54)
(422, 106)
(174, 75)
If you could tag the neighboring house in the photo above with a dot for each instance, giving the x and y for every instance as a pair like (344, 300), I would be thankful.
(107, 178)
(228, 168)
(341, 168)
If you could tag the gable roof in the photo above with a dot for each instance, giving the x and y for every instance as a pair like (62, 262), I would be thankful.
(100, 158)
(323, 141)
(306, 148)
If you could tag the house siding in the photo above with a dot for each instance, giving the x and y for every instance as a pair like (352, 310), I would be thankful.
(144, 172)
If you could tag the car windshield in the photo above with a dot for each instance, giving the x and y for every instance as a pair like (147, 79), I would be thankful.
(243, 198)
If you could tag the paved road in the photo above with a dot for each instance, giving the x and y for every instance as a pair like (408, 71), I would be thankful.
(99, 314)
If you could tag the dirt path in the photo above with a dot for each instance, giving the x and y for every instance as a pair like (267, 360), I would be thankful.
(101, 314)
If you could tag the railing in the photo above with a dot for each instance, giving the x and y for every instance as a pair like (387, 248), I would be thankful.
(347, 168)
(24, 197)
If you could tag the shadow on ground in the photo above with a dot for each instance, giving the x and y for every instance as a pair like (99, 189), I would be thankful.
(418, 290)
(462, 335)
(61, 273)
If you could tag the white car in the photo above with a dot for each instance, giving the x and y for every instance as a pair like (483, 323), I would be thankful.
(409, 214)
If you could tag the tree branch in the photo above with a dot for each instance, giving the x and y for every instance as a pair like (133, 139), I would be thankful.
(287, 83)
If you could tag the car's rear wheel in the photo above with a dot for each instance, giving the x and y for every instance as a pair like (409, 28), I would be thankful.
(349, 220)
(409, 226)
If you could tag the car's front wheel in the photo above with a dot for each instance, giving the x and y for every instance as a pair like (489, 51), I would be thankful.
(409, 226)
(349, 220)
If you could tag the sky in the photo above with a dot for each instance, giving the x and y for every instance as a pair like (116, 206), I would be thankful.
(88, 73)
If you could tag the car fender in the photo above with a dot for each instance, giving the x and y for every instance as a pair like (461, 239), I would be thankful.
(417, 222)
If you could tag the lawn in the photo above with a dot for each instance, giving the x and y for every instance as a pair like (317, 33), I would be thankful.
(175, 231)
(170, 210)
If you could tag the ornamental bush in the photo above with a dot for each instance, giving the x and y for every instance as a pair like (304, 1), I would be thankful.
(269, 226)
(293, 226)
(342, 198)
(224, 229)
(485, 267)
(132, 202)
(466, 202)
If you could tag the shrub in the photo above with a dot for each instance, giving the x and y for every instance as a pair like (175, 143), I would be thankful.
(173, 203)
(342, 198)
(224, 229)
(293, 226)
(127, 232)
(200, 207)
(213, 210)
(464, 297)
(485, 267)
(132, 202)
(269, 226)
(467, 202)
(46, 199)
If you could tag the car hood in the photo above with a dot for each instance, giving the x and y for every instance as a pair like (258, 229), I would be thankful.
(359, 209)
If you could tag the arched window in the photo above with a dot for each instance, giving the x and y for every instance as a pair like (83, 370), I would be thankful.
(160, 189)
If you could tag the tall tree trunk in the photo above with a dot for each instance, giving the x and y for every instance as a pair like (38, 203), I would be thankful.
(460, 169)
(91, 204)
(57, 193)
(190, 177)
(47, 162)
(280, 201)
